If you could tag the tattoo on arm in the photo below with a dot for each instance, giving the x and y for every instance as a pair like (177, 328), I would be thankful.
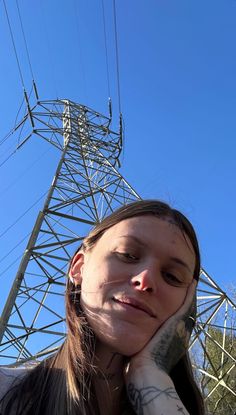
(140, 398)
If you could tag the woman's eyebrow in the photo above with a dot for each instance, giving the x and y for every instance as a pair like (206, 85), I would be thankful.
(135, 239)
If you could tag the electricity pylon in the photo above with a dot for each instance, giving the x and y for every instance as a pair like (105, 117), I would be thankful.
(86, 187)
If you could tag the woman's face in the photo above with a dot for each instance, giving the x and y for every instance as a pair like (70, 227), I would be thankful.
(134, 279)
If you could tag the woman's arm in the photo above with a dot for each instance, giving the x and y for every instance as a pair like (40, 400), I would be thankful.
(153, 393)
(149, 386)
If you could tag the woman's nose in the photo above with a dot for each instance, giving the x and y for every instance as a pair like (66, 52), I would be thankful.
(144, 281)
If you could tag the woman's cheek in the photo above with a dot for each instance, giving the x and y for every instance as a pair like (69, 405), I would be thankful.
(174, 299)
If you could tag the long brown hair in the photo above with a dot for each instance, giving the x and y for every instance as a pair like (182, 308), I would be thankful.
(62, 384)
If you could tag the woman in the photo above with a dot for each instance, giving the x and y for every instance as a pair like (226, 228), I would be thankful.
(130, 310)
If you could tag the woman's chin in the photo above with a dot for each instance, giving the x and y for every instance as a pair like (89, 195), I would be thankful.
(125, 339)
(125, 346)
(129, 351)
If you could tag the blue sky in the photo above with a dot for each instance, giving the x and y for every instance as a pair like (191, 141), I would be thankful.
(177, 63)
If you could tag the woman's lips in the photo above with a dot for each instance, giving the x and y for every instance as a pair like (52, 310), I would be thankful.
(133, 302)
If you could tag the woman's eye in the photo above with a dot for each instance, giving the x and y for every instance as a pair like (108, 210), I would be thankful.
(127, 256)
(172, 278)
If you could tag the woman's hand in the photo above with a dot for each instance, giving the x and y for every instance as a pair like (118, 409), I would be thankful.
(170, 342)
(149, 386)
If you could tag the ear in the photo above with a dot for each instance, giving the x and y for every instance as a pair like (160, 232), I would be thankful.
(76, 268)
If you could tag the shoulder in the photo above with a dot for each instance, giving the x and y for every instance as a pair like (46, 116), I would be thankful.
(10, 376)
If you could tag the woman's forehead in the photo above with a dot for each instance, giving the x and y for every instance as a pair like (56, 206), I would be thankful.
(143, 226)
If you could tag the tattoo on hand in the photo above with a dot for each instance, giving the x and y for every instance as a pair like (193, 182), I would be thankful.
(174, 342)
(140, 398)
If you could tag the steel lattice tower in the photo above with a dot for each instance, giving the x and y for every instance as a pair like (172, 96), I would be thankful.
(86, 187)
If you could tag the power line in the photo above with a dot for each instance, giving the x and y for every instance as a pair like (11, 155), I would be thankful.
(14, 151)
(14, 46)
(2, 141)
(19, 110)
(21, 216)
(7, 136)
(7, 158)
(13, 249)
(19, 176)
(9, 266)
(117, 56)
(26, 47)
(20, 242)
(27, 52)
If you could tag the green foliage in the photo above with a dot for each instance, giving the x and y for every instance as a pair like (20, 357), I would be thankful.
(220, 363)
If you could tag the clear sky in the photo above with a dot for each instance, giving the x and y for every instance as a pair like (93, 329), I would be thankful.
(177, 64)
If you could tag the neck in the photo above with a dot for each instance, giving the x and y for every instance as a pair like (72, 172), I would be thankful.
(109, 362)
(109, 380)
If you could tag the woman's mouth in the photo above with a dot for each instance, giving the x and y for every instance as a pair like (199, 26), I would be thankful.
(129, 302)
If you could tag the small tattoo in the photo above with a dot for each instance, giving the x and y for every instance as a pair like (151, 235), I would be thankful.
(143, 396)
(112, 358)
(181, 410)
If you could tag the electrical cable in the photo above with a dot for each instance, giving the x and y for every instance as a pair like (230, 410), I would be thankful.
(20, 256)
(3, 154)
(18, 112)
(105, 41)
(6, 159)
(23, 100)
(23, 173)
(19, 145)
(14, 47)
(13, 152)
(117, 57)
(13, 249)
(21, 216)
(26, 46)
(2, 141)
(13, 145)
(7, 136)
(9, 266)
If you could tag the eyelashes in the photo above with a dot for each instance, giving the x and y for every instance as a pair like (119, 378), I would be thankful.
(170, 277)
(127, 256)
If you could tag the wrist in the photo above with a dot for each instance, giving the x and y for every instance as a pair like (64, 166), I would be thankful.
(153, 393)
(147, 374)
